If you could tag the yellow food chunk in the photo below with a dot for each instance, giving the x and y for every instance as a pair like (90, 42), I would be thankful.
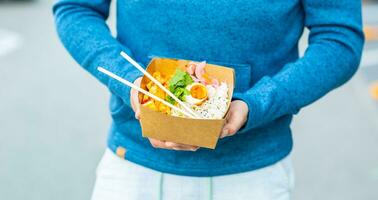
(160, 93)
(156, 74)
(149, 85)
(153, 89)
(150, 104)
(164, 109)
(145, 98)
(159, 77)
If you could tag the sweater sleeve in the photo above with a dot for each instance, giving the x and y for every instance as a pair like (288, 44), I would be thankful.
(332, 57)
(82, 29)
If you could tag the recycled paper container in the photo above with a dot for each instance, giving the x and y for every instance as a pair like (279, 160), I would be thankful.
(197, 132)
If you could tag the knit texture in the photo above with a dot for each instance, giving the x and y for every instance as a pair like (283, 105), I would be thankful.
(259, 39)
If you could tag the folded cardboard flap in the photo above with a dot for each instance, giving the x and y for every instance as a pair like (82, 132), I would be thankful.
(197, 132)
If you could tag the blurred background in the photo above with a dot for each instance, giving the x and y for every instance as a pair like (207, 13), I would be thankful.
(54, 118)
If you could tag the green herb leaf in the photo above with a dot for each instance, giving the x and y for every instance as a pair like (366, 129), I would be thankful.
(170, 100)
(177, 85)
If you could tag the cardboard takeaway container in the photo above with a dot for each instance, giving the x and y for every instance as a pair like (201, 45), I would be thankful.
(197, 132)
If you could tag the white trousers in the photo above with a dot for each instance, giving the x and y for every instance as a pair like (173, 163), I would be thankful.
(118, 179)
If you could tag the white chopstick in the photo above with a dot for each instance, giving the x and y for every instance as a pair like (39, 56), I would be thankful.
(149, 76)
(112, 75)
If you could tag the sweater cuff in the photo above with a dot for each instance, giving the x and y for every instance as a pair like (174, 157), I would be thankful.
(244, 98)
(121, 90)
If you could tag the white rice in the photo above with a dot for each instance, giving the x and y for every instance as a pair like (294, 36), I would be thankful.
(213, 108)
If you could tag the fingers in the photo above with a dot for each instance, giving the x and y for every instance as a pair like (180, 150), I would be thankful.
(134, 99)
(182, 147)
(158, 143)
(235, 118)
(172, 145)
(136, 105)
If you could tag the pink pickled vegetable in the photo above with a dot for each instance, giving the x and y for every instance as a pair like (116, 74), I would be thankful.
(200, 70)
(195, 79)
(191, 68)
(215, 82)
(197, 72)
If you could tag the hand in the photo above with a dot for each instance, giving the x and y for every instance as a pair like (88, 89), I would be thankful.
(236, 118)
(134, 100)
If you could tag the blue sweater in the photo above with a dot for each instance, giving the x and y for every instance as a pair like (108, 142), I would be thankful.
(259, 39)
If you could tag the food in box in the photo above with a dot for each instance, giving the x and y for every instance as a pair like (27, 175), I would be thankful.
(205, 88)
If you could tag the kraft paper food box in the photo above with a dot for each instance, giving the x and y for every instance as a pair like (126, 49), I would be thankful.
(197, 132)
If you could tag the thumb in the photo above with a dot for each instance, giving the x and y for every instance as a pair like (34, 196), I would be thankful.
(137, 114)
(233, 123)
(135, 99)
(136, 105)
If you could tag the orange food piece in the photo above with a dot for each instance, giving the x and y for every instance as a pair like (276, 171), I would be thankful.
(198, 91)
(145, 99)
(159, 77)
(166, 85)
(155, 90)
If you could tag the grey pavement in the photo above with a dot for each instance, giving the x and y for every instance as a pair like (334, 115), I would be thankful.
(54, 122)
